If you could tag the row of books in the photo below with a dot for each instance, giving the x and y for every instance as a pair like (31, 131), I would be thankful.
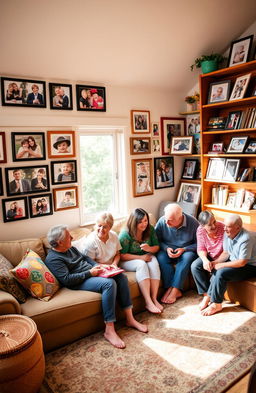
(247, 174)
(248, 118)
(241, 199)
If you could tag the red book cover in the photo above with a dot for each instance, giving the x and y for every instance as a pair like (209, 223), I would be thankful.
(110, 271)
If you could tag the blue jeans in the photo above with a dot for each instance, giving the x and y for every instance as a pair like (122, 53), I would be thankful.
(175, 276)
(201, 276)
(111, 289)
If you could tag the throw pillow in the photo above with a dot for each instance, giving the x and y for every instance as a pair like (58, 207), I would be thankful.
(34, 275)
(8, 283)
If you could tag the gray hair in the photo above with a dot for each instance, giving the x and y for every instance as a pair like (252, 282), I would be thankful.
(204, 217)
(234, 219)
(55, 234)
(173, 208)
(106, 218)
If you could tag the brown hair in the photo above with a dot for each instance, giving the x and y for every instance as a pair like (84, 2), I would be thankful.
(134, 219)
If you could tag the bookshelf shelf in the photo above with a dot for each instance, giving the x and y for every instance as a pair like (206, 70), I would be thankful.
(189, 113)
(212, 132)
(234, 210)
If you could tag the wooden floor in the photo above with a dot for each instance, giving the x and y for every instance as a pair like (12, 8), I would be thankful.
(240, 386)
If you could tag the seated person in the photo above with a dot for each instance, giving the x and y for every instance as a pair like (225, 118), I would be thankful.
(79, 272)
(209, 236)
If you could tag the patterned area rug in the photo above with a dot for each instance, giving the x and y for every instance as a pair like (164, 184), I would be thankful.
(183, 352)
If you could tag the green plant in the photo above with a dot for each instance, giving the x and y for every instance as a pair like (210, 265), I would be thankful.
(214, 56)
(192, 99)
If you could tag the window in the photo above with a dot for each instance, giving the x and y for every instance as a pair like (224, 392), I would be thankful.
(102, 173)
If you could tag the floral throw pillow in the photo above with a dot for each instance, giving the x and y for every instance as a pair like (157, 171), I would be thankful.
(8, 283)
(34, 275)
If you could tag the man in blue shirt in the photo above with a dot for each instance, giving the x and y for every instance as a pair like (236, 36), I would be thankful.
(237, 262)
(176, 232)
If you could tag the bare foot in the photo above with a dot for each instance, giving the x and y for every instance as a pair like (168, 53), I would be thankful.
(212, 309)
(174, 295)
(152, 308)
(158, 305)
(204, 303)
(167, 293)
(137, 325)
(114, 339)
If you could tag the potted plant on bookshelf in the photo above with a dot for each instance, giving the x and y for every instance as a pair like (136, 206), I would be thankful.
(192, 102)
(208, 63)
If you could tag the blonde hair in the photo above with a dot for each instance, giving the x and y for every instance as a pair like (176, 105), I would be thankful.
(105, 217)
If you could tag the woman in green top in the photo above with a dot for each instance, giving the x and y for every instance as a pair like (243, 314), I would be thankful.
(139, 242)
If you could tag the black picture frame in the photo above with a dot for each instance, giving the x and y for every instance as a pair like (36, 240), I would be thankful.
(163, 172)
(23, 94)
(28, 176)
(1, 183)
(3, 155)
(28, 146)
(91, 103)
(233, 120)
(237, 144)
(58, 171)
(40, 205)
(237, 54)
(251, 147)
(61, 97)
(190, 168)
(219, 92)
(8, 207)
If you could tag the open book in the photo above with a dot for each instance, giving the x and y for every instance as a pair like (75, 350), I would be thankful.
(110, 271)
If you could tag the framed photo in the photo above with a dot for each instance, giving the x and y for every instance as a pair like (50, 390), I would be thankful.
(156, 146)
(40, 205)
(140, 145)
(163, 172)
(91, 98)
(193, 124)
(190, 169)
(28, 146)
(189, 193)
(240, 87)
(181, 145)
(231, 169)
(23, 92)
(1, 183)
(239, 51)
(15, 209)
(251, 148)
(27, 180)
(217, 147)
(3, 156)
(171, 126)
(215, 168)
(233, 120)
(142, 177)
(60, 96)
(63, 172)
(219, 92)
(65, 198)
(140, 122)
(196, 143)
(61, 144)
(155, 129)
(237, 144)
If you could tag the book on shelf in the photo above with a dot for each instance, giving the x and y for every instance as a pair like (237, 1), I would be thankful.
(219, 195)
(248, 118)
(249, 199)
(231, 200)
(246, 174)
(239, 199)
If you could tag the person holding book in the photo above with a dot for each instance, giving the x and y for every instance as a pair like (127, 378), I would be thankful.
(79, 272)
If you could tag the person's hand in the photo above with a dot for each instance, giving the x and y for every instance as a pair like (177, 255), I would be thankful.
(174, 253)
(145, 247)
(178, 252)
(96, 270)
(146, 257)
(219, 266)
(207, 265)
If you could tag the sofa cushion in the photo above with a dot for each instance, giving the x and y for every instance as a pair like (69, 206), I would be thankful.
(34, 275)
(8, 282)
(14, 250)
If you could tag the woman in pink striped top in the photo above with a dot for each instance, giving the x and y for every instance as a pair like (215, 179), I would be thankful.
(209, 246)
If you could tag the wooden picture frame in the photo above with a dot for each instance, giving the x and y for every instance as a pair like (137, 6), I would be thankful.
(171, 127)
(3, 155)
(240, 87)
(231, 169)
(15, 209)
(1, 183)
(140, 122)
(27, 180)
(23, 92)
(28, 146)
(181, 145)
(240, 51)
(65, 198)
(140, 145)
(156, 146)
(142, 177)
(61, 144)
(237, 144)
(63, 172)
(215, 168)
(163, 172)
(219, 92)
(61, 97)
(40, 205)
(190, 168)
(91, 98)
(190, 193)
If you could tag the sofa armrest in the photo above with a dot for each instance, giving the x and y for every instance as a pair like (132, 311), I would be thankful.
(8, 304)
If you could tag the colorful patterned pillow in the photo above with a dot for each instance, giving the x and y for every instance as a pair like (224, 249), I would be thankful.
(33, 275)
(8, 283)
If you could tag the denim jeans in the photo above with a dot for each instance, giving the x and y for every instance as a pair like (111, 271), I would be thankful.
(175, 276)
(111, 289)
(201, 276)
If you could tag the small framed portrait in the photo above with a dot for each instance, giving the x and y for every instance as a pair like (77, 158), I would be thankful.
(27, 180)
(233, 120)
(231, 169)
(3, 156)
(140, 145)
(215, 168)
(190, 169)
(65, 198)
(170, 127)
(217, 147)
(155, 129)
(23, 92)
(60, 96)
(240, 87)
(196, 143)
(181, 145)
(219, 92)
(140, 122)
(237, 144)
(251, 148)
(240, 51)
(1, 183)
(189, 193)
(63, 172)
(28, 146)
(40, 205)
(156, 146)
(142, 177)
(91, 98)
(61, 144)
(193, 124)
(163, 172)
(15, 209)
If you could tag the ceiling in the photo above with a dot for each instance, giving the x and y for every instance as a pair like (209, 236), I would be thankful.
(137, 43)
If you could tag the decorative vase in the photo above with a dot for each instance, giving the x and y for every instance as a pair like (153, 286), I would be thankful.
(209, 66)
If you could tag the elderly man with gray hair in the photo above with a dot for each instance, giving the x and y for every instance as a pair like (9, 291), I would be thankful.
(237, 262)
